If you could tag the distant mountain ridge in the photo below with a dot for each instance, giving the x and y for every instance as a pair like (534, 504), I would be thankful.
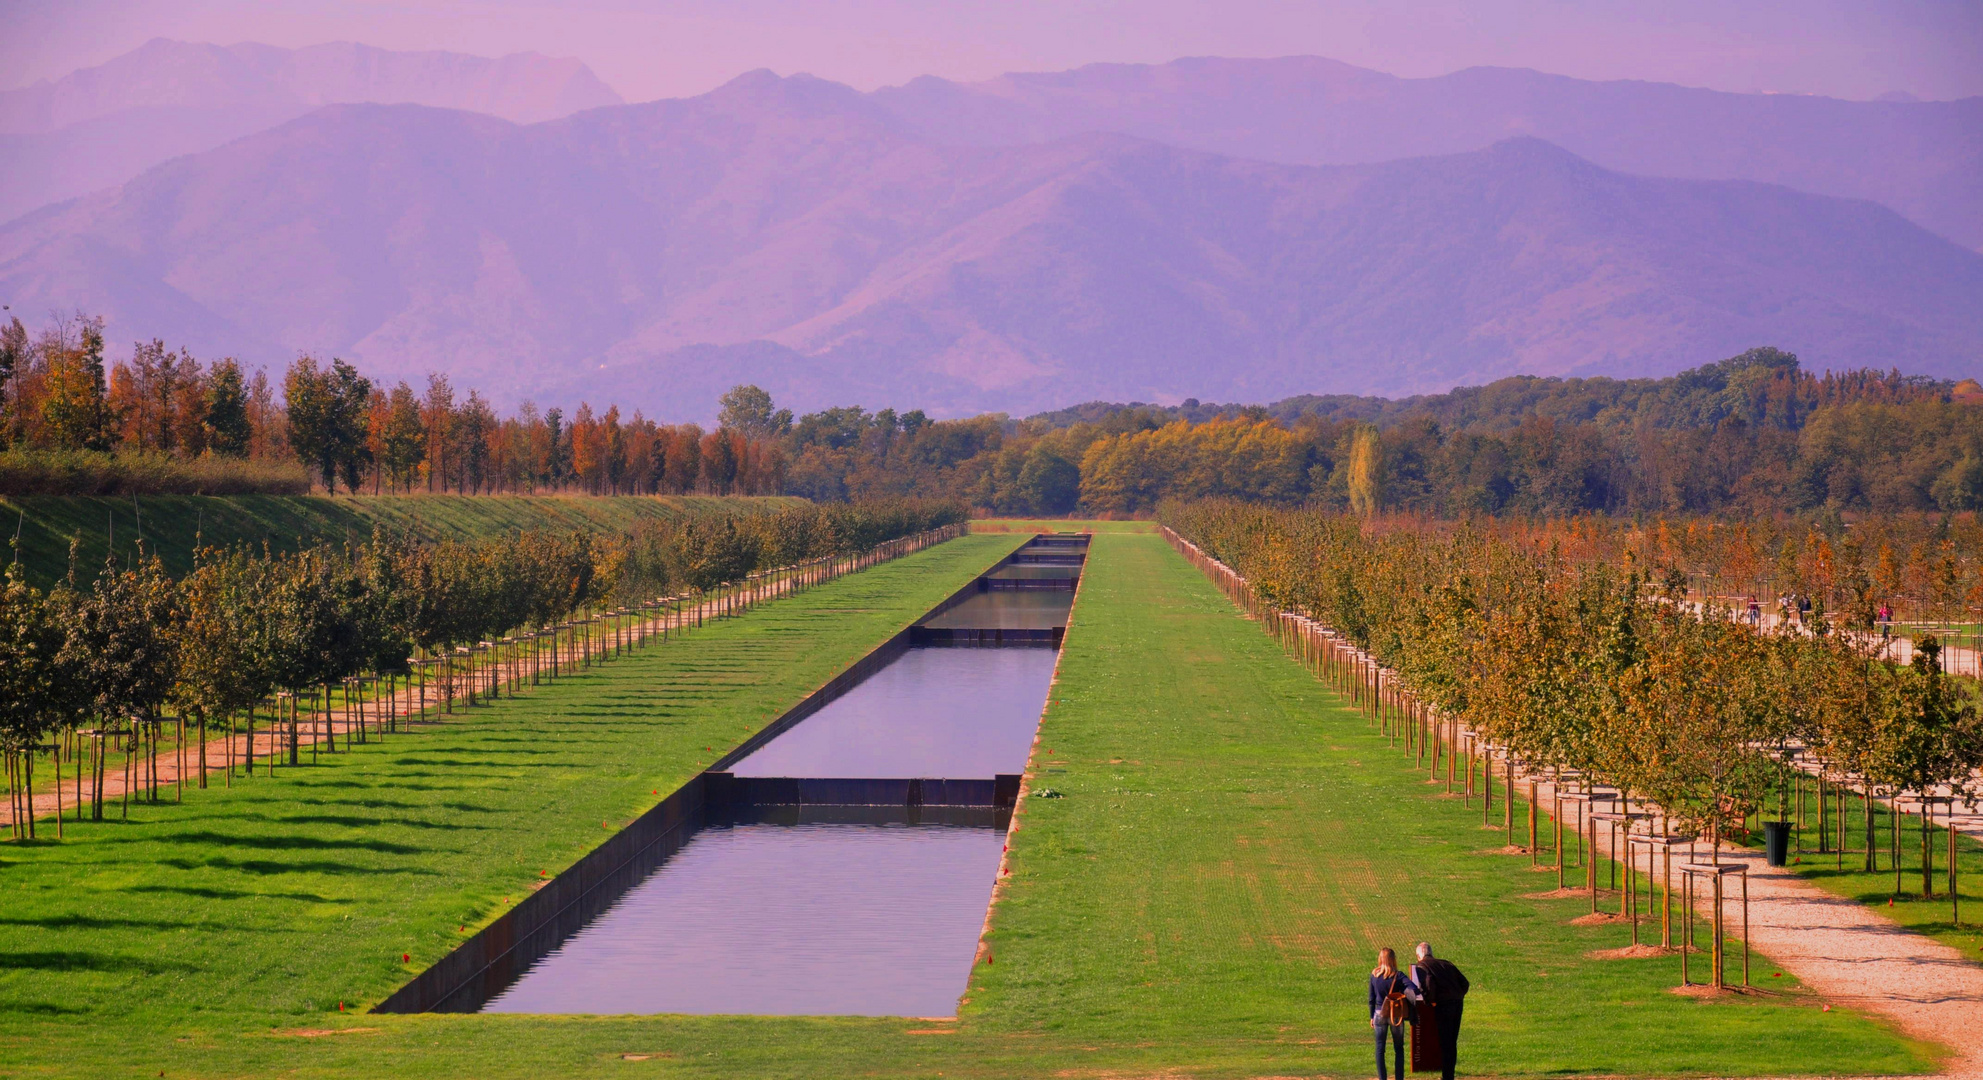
(805, 236)
(523, 87)
(1924, 159)
(103, 125)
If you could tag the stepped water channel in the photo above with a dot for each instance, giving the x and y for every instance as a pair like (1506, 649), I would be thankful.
(838, 863)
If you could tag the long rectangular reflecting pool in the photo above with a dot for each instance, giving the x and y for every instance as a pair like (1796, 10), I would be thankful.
(770, 885)
(806, 919)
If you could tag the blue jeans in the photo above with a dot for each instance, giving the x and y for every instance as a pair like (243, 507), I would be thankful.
(1397, 1033)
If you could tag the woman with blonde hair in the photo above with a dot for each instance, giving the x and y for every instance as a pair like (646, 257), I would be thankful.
(1389, 1006)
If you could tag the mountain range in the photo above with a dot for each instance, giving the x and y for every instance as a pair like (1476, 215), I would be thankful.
(101, 126)
(1922, 158)
(840, 247)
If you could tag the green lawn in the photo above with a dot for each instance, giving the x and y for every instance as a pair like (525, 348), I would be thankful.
(181, 940)
(171, 523)
(1205, 900)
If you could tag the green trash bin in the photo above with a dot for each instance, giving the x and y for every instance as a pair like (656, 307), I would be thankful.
(1776, 842)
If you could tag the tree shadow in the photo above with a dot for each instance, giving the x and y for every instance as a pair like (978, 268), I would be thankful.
(205, 892)
(463, 763)
(301, 866)
(290, 843)
(91, 922)
(70, 960)
(370, 822)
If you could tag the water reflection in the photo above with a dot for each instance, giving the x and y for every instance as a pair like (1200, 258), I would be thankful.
(963, 713)
(1017, 609)
(845, 919)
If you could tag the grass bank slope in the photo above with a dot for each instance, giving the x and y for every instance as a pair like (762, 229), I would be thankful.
(172, 524)
(191, 938)
(1233, 845)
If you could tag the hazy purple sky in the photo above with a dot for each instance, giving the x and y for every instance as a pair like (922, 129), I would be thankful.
(1931, 48)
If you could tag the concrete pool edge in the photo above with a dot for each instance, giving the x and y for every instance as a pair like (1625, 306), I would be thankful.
(477, 969)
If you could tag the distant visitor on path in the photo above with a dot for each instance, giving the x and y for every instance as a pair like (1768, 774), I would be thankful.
(1443, 984)
(1391, 996)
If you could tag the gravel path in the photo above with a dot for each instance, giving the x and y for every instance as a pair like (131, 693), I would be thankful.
(1851, 954)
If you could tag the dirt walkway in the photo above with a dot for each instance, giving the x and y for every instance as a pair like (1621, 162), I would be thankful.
(1841, 949)
(1845, 951)
(411, 704)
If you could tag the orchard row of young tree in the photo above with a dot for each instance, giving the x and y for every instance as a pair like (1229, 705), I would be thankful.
(118, 658)
(1604, 667)
(1921, 569)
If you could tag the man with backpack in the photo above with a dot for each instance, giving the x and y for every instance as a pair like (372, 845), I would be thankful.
(1442, 983)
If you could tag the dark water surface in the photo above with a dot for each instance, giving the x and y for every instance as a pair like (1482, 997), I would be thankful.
(1037, 573)
(862, 920)
(951, 712)
(1040, 609)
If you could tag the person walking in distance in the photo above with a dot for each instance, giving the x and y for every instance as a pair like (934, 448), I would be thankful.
(1389, 1006)
(1442, 983)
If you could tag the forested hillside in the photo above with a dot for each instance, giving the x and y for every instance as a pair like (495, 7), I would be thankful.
(1752, 434)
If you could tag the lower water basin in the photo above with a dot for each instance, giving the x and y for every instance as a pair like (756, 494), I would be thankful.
(809, 919)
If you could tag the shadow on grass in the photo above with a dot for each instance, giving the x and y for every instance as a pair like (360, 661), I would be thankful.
(40, 1008)
(398, 804)
(91, 922)
(370, 822)
(260, 866)
(290, 843)
(471, 762)
(395, 783)
(205, 892)
(65, 960)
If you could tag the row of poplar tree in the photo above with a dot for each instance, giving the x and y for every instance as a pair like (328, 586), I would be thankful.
(1604, 667)
(121, 653)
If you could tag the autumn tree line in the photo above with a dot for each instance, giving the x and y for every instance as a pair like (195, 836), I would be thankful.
(1922, 569)
(1751, 435)
(1605, 668)
(163, 422)
(133, 658)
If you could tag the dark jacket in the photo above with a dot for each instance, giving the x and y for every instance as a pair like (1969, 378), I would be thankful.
(1439, 981)
(1383, 986)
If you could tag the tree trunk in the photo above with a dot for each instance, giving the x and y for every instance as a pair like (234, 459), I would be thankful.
(55, 762)
(130, 758)
(1927, 857)
(1872, 844)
